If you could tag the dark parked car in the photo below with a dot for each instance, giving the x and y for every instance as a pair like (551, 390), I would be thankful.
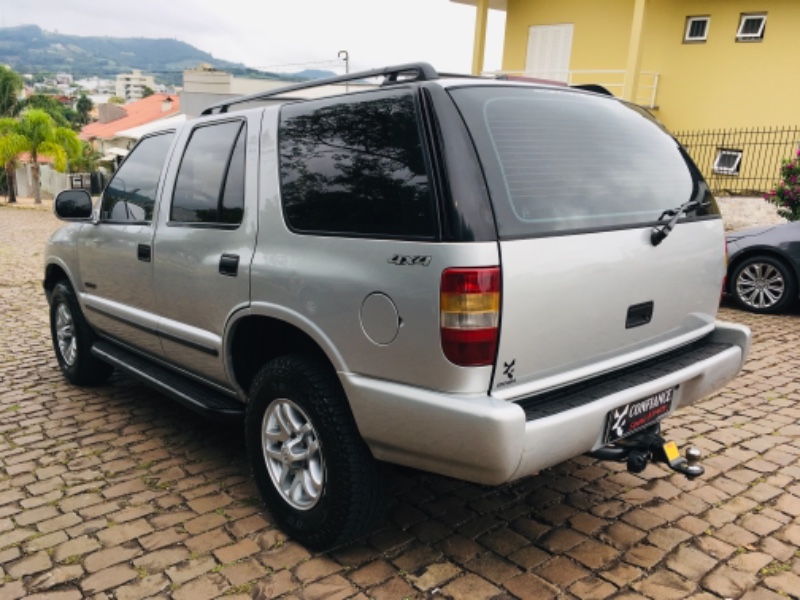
(764, 267)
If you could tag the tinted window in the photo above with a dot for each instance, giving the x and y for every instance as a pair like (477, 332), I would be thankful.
(560, 161)
(130, 195)
(210, 184)
(355, 166)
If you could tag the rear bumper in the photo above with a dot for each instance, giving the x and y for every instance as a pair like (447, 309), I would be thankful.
(486, 440)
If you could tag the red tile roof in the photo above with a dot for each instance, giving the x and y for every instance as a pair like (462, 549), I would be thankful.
(42, 158)
(140, 112)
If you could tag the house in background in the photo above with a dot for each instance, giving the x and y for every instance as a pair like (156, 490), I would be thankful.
(107, 134)
(131, 86)
(717, 72)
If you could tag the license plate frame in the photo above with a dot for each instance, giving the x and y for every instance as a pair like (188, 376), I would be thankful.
(639, 414)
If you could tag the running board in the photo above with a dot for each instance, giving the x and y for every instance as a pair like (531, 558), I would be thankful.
(195, 396)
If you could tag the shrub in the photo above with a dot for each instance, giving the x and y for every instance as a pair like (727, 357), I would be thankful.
(786, 194)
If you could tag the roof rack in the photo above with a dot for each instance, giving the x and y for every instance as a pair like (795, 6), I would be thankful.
(420, 71)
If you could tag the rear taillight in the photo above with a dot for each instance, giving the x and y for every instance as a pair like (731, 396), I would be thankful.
(470, 314)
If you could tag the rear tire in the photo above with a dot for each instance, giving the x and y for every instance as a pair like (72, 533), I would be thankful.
(762, 284)
(73, 338)
(313, 470)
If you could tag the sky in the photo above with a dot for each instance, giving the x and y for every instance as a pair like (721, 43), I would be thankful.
(287, 35)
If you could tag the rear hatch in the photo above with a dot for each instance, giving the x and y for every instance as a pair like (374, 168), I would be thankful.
(578, 182)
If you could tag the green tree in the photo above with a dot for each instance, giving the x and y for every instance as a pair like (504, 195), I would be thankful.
(10, 87)
(86, 161)
(43, 137)
(12, 144)
(84, 106)
(116, 100)
(147, 92)
(51, 106)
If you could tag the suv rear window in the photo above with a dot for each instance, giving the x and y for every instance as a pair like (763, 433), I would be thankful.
(355, 166)
(559, 161)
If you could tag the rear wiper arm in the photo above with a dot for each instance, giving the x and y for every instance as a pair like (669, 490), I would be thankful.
(659, 232)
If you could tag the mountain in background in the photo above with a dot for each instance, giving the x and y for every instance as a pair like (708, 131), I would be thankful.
(29, 49)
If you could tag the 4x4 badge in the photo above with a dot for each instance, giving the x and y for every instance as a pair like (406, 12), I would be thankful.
(410, 261)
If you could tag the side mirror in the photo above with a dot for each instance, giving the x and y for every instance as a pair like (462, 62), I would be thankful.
(73, 205)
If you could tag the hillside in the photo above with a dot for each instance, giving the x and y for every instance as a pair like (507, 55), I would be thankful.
(29, 49)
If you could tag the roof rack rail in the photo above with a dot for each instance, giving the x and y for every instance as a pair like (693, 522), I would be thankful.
(398, 74)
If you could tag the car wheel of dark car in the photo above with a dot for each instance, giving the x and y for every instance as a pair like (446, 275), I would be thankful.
(313, 470)
(72, 339)
(763, 284)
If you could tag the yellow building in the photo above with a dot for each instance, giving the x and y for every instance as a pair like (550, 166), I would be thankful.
(698, 65)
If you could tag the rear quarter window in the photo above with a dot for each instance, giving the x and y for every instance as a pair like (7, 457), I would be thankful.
(560, 161)
(355, 166)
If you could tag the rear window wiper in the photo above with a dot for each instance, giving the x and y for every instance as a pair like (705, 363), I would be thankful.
(659, 232)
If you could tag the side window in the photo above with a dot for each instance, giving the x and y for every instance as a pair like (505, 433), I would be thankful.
(131, 193)
(210, 184)
(356, 166)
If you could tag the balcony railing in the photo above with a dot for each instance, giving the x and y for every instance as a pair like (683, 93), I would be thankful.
(612, 80)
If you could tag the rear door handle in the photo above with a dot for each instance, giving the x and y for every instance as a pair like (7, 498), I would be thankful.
(144, 253)
(229, 265)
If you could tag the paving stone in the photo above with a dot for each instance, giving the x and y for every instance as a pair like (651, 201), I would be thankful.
(146, 587)
(470, 587)
(29, 565)
(55, 577)
(644, 556)
(275, 585)
(160, 560)
(106, 557)
(205, 587)
(493, 568)
(593, 555)
(108, 578)
(728, 582)
(665, 585)
(561, 571)
(691, 563)
(528, 586)
(434, 576)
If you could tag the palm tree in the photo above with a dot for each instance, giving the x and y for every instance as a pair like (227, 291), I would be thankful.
(11, 145)
(43, 137)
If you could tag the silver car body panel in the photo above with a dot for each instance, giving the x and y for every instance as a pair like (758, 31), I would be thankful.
(186, 265)
(118, 287)
(327, 279)
(487, 440)
(566, 298)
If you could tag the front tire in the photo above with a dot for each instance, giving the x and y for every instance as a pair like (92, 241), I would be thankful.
(313, 470)
(72, 339)
(762, 284)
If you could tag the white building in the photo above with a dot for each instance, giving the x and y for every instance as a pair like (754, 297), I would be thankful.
(131, 85)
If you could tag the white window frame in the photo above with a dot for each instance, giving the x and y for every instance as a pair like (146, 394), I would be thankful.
(727, 170)
(751, 37)
(689, 22)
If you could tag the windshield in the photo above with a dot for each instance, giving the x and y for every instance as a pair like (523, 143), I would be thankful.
(559, 161)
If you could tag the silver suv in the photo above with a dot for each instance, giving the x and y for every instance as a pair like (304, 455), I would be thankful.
(473, 277)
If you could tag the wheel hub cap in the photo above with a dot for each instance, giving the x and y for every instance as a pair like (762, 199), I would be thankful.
(760, 285)
(293, 454)
(65, 335)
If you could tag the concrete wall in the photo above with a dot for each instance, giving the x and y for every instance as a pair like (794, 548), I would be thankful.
(51, 181)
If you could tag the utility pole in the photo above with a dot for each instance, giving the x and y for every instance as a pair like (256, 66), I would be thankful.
(346, 66)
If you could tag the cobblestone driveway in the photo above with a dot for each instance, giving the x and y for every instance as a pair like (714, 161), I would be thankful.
(116, 492)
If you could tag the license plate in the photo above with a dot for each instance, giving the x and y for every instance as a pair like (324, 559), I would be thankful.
(632, 417)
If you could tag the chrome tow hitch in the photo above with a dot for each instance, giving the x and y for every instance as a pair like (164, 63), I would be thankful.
(646, 446)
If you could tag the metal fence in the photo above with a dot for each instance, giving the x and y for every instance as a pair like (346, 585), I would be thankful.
(741, 161)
